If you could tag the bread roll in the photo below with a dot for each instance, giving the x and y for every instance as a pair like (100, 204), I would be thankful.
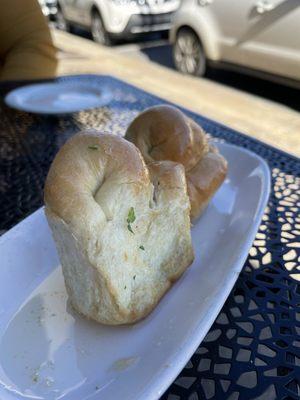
(122, 229)
(165, 133)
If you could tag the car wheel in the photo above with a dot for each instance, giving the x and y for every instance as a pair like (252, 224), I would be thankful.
(188, 53)
(98, 30)
(60, 21)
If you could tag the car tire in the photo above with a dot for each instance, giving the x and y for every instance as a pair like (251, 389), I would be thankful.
(60, 21)
(98, 30)
(188, 54)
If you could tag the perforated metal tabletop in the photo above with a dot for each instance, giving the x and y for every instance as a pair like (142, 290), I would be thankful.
(253, 349)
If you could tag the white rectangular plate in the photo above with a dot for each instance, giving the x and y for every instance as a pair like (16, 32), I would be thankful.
(49, 352)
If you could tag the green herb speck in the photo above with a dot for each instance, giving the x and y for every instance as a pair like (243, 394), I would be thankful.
(129, 228)
(134, 276)
(93, 147)
(130, 219)
(142, 247)
(125, 287)
(131, 216)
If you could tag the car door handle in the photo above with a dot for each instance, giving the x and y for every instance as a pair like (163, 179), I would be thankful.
(204, 3)
(263, 6)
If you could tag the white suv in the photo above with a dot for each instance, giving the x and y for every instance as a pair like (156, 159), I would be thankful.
(108, 19)
(259, 36)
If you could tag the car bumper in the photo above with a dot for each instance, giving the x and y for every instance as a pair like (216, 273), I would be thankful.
(141, 23)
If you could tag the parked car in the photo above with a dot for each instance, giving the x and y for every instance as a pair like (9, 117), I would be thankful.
(110, 19)
(49, 8)
(261, 37)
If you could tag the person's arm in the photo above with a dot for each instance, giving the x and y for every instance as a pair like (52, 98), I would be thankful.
(26, 47)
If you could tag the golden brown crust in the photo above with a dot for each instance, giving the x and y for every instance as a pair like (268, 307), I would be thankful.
(165, 133)
(81, 166)
(204, 180)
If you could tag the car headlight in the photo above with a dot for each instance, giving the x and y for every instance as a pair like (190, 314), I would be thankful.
(126, 2)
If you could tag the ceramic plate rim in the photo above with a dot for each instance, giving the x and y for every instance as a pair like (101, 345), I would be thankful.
(181, 358)
(10, 97)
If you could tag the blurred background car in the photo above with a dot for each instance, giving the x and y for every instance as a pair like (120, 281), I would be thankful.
(114, 19)
(260, 37)
(49, 8)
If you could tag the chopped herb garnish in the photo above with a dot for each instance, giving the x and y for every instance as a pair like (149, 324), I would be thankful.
(131, 216)
(134, 276)
(142, 247)
(129, 228)
(130, 219)
(93, 147)
(125, 287)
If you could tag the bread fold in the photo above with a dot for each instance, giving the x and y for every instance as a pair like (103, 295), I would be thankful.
(164, 133)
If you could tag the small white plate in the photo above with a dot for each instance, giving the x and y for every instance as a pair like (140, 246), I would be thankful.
(58, 97)
(49, 352)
